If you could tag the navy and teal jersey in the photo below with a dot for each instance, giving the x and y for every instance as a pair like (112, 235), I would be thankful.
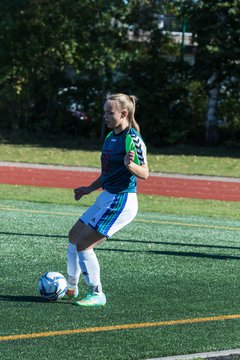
(116, 178)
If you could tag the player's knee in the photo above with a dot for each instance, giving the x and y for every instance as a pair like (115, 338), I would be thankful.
(71, 236)
(81, 246)
(75, 232)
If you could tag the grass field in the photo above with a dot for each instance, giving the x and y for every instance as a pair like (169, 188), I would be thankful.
(147, 203)
(171, 277)
(171, 281)
(181, 159)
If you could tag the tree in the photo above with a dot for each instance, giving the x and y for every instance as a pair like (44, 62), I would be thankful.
(48, 45)
(215, 25)
(94, 47)
(35, 49)
(150, 70)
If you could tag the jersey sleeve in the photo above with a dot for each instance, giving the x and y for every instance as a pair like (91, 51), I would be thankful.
(136, 144)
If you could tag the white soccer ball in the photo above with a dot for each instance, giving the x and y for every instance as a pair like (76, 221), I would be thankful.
(52, 285)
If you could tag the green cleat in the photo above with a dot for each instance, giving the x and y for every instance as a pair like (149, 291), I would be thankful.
(92, 299)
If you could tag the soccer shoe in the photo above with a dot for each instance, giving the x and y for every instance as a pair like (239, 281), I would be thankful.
(92, 299)
(71, 293)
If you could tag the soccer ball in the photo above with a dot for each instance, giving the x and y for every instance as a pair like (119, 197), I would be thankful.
(52, 285)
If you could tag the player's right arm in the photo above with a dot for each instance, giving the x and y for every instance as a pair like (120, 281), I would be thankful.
(85, 190)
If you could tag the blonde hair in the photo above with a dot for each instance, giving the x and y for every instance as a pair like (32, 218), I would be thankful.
(126, 102)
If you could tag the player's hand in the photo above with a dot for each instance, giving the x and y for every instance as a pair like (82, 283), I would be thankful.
(129, 157)
(81, 191)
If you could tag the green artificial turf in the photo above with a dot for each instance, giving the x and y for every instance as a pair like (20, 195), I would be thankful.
(178, 260)
(161, 267)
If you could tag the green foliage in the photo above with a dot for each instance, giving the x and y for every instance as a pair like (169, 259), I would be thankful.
(229, 110)
(47, 47)
(197, 101)
(217, 35)
(96, 47)
(217, 56)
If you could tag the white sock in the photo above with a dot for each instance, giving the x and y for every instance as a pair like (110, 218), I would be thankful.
(90, 269)
(73, 268)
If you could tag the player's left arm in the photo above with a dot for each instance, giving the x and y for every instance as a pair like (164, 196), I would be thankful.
(141, 171)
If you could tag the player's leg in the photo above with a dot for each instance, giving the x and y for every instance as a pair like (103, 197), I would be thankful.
(73, 268)
(114, 212)
(90, 268)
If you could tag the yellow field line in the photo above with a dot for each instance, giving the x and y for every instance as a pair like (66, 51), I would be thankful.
(119, 327)
(189, 224)
(162, 222)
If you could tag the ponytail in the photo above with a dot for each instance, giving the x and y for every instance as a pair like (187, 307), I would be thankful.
(133, 123)
(128, 102)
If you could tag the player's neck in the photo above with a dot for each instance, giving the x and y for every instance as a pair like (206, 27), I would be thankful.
(120, 128)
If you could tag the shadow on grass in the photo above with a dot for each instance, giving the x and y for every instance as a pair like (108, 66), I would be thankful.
(30, 299)
(176, 253)
(214, 151)
(47, 140)
(134, 241)
(177, 244)
(23, 298)
(33, 235)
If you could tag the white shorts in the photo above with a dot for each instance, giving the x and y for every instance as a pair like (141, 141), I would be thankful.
(111, 212)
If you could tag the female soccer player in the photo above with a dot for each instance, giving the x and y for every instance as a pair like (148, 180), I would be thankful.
(123, 160)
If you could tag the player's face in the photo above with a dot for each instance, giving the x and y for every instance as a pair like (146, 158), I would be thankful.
(114, 118)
